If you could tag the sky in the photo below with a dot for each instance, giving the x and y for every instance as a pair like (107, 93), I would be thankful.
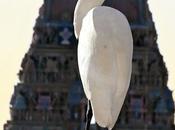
(17, 18)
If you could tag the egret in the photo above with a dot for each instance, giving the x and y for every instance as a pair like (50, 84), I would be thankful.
(105, 51)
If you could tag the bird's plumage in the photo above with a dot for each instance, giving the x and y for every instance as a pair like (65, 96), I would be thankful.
(81, 10)
(105, 60)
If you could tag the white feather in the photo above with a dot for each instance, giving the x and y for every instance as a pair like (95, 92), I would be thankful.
(105, 59)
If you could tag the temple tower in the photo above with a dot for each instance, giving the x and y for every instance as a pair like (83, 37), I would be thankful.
(49, 95)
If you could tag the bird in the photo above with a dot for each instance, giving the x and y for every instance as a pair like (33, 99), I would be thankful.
(105, 50)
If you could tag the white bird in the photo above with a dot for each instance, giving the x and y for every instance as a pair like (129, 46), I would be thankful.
(104, 58)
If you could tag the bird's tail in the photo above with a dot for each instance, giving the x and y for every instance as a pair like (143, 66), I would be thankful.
(101, 106)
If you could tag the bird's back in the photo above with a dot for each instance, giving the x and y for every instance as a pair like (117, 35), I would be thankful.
(105, 58)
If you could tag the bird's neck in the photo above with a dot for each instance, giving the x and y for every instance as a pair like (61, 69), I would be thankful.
(81, 9)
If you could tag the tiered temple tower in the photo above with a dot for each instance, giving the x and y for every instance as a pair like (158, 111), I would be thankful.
(49, 95)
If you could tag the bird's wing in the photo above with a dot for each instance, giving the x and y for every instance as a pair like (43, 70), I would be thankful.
(105, 58)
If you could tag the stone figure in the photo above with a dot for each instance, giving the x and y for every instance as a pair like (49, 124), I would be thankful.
(51, 69)
(104, 57)
(29, 71)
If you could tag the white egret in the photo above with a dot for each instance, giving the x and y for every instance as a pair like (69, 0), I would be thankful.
(104, 57)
